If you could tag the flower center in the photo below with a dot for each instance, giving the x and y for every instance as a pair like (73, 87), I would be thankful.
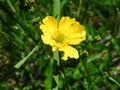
(60, 38)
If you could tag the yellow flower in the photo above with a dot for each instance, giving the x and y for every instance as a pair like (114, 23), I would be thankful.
(62, 35)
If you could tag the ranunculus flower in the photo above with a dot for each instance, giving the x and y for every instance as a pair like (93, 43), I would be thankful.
(61, 36)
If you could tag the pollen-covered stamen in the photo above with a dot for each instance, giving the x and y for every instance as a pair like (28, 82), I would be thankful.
(60, 38)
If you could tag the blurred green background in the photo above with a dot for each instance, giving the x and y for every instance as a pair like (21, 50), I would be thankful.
(98, 67)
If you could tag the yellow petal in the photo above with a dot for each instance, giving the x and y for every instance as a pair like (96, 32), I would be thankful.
(49, 25)
(76, 28)
(63, 20)
(69, 52)
(65, 24)
(76, 34)
(75, 41)
(48, 40)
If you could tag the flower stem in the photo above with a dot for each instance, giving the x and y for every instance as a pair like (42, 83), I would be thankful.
(56, 14)
(56, 64)
(56, 9)
(87, 72)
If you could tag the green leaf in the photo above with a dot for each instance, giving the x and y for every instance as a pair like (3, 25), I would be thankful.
(21, 62)
(93, 57)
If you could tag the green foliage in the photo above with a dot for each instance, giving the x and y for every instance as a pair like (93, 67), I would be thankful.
(98, 67)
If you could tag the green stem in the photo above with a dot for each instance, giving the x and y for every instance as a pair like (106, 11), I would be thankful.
(88, 75)
(56, 64)
(115, 81)
(56, 9)
(11, 6)
(56, 14)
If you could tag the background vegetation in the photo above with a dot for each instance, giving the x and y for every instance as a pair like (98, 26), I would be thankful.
(98, 67)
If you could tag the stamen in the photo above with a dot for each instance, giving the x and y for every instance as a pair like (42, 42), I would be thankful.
(60, 38)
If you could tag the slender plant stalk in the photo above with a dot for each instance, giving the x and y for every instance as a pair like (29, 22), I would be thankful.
(21, 62)
(56, 9)
(56, 14)
(88, 75)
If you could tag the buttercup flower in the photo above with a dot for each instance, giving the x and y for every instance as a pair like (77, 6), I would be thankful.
(62, 35)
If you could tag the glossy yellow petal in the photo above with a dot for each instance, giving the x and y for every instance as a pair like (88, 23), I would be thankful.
(65, 24)
(69, 52)
(76, 34)
(76, 29)
(49, 25)
(48, 40)
(76, 41)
